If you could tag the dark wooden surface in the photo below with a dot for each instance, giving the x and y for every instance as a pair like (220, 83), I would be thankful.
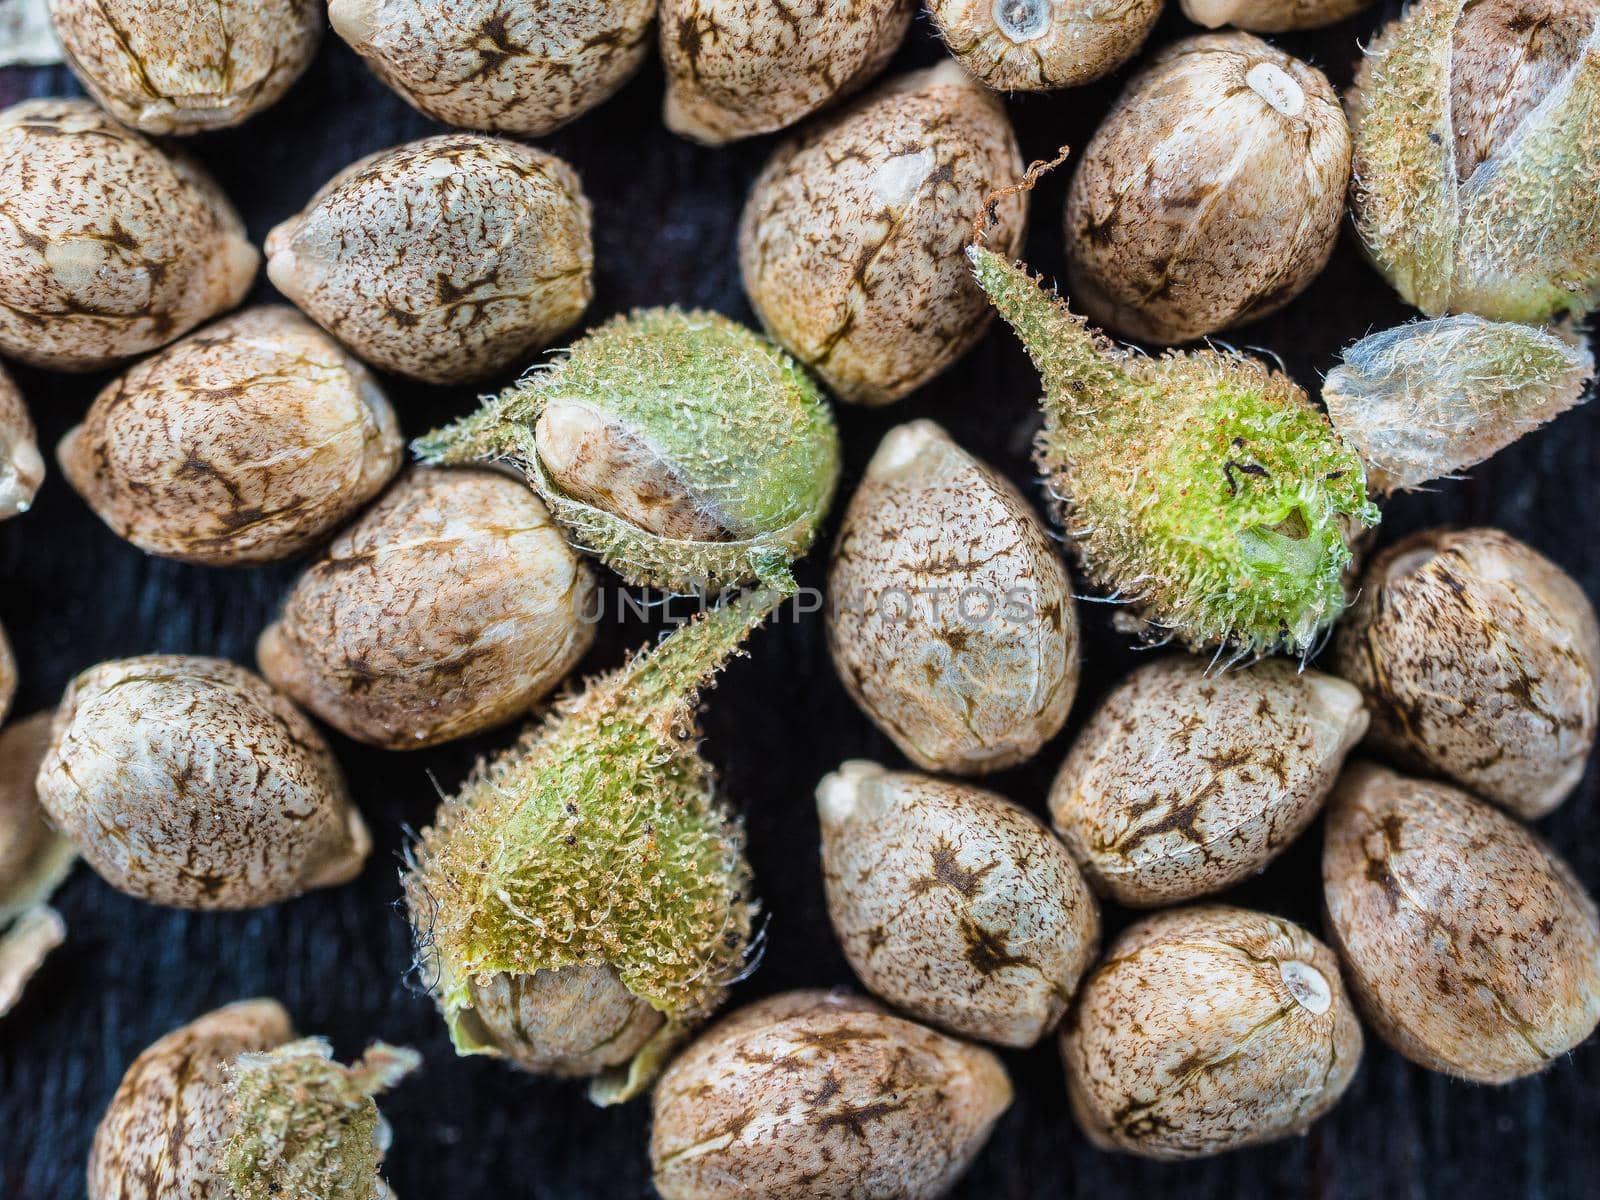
(71, 594)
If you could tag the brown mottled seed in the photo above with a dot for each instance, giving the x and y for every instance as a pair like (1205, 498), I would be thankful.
(1270, 16)
(1036, 45)
(523, 69)
(21, 467)
(161, 1137)
(1212, 193)
(950, 614)
(573, 1022)
(452, 606)
(115, 247)
(1480, 660)
(445, 260)
(1206, 1029)
(817, 1095)
(851, 241)
(954, 904)
(1187, 781)
(244, 443)
(736, 68)
(188, 781)
(1472, 948)
(183, 66)
(33, 857)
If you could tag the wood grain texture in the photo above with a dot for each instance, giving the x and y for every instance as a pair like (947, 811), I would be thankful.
(666, 213)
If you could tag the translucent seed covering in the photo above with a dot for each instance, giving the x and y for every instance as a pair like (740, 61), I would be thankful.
(1477, 156)
(304, 1127)
(1430, 398)
(684, 450)
(597, 840)
(1203, 488)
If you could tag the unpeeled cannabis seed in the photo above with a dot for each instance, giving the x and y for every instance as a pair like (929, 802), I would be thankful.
(1472, 948)
(1480, 659)
(188, 781)
(736, 68)
(446, 260)
(1204, 488)
(851, 239)
(817, 1095)
(1035, 45)
(1428, 399)
(681, 448)
(173, 68)
(1187, 781)
(591, 872)
(954, 904)
(1270, 16)
(451, 606)
(230, 1107)
(34, 860)
(1181, 219)
(1477, 156)
(246, 442)
(523, 69)
(117, 247)
(950, 614)
(1207, 1029)
(21, 467)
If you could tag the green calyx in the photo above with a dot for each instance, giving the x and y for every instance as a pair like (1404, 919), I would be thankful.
(1519, 238)
(598, 840)
(303, 1127)
(1203, 487)
(730, 424)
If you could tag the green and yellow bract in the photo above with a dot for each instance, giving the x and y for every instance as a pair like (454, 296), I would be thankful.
(1203, 487)
(598, 839)
(739, 424)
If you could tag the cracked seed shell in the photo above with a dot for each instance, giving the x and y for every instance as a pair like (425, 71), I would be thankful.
(446, 260)
(112, 247)
(850, 244)
(1211, 195)
(1472, 949)
(183, 66)
(451, 606)
(815, 1095)
(244, 443)
(1206, 1029)
(950, 614)
(21, 467)
(1039, 45)
(1187, 781)
(231, 1107)
(954, 904)
(1480, 661)
(188, 781)
(1271, 16)
(736, 68)
(523, 69)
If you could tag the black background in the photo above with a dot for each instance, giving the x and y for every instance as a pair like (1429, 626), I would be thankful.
(71, 595)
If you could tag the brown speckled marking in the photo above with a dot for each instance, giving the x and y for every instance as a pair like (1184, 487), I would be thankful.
(1186, 782)
(1480, 659)
(1472, 948)
(482, 64)
(1190, 1038)
(188, 781)
(1198, 205)
(953, 903)
(736, 68)
(950, 613)
(453, 605)
(446, 260)
(821, 1096)
(244, 443)
(163, 1136)
(851, 240)
(182, 66)
(108, 247)
(21, 467)
(1078, 41)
